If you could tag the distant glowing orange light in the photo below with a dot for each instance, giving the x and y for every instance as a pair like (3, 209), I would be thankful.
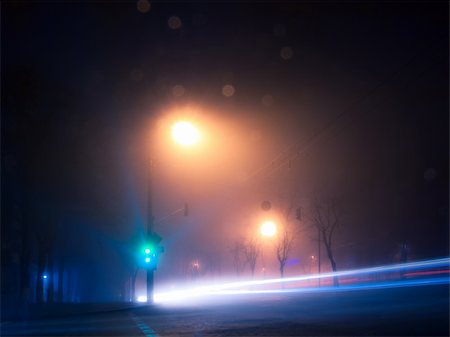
(268, 229)
(185, 133)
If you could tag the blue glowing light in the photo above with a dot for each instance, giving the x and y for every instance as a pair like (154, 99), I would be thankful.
(147, 260)
(44, 277)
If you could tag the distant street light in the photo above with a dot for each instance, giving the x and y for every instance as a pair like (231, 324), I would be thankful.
(268, 229)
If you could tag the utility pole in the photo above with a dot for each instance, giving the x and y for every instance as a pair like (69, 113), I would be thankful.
(318, 251)
(150, 221)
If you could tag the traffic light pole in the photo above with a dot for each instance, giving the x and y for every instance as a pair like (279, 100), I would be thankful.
(318, 249)
(149, 232)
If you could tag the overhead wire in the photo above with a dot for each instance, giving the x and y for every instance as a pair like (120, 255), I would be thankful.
(304, 145)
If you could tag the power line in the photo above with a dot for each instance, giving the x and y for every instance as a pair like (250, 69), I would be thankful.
(305, 145)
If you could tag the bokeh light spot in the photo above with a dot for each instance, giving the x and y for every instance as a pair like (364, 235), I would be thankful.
(178, 90)
(174, 22)
(267, 100)
(266, 205)
(228, 90)
(143, 6)
(286, 53)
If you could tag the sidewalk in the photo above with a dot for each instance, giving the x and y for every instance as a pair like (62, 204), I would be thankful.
(19, 312)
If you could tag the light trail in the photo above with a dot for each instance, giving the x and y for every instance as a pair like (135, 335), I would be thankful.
(227, 288)
(392, 284)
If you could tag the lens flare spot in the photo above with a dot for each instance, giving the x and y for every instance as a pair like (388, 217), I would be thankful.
(143, 6)
(178, 90)
(228, 90)
(286, 53)
(174, 22)
(267, 100)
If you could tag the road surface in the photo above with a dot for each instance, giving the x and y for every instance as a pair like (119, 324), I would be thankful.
(405, 311)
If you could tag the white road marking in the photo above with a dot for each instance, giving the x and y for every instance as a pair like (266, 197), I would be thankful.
(146, 330)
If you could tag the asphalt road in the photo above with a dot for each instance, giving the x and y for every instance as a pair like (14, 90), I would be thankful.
(411, 311)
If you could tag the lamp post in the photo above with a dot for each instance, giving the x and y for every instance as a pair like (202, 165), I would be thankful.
(150, 234)
(268, 230)
(185, 134)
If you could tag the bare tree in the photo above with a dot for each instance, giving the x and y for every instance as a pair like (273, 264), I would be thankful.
(251, 251)
(325, 217)
(213, 263)
(286, 237)
(237, 250)
(284, 247)
(135, 271)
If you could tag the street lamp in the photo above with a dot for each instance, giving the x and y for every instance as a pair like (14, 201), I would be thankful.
(185, 134)
(268, 229)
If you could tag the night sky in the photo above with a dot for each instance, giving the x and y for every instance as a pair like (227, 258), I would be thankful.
(350, 99)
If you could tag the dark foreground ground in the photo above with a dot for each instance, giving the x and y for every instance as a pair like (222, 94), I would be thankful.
(412, 311)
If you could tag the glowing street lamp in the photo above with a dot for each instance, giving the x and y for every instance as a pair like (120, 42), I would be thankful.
(268, 229)
(185, 133)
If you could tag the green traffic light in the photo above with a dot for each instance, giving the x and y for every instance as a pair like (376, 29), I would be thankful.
(147, 260)
(147, 250)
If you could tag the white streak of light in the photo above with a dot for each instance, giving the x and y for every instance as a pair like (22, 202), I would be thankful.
(219, 288)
